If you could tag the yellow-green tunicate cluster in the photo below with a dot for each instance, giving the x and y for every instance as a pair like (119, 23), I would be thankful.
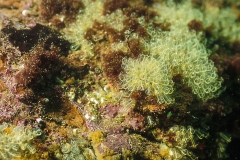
(14, 140)
(178, 13)
(92, 12)
(223, 141)
(178, 51)
(85, 19)
(174, 145)
(222, 21)
(183, 136)
(186, 55)
(76, 149)
(146, 73)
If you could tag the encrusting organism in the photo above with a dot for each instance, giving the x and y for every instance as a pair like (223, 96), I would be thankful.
(170, 53)
(16, 141)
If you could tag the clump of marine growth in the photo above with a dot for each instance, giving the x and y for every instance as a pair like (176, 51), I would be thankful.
(16, 140)
(169, 53)
(172, 45)
(172, 53)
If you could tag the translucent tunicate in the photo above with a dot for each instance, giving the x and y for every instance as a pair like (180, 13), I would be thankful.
(14, 154)
(38, 132)
(75, 149)
(225, 136)
(66, 148)
(31, 149)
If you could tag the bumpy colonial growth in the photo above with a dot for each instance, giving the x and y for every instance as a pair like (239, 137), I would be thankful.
(16, 140)
(147, 73)
(178, 51)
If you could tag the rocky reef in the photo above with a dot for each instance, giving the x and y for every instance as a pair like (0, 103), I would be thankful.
(118, 80)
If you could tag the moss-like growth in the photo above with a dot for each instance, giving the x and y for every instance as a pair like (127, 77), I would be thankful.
(60, 12)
